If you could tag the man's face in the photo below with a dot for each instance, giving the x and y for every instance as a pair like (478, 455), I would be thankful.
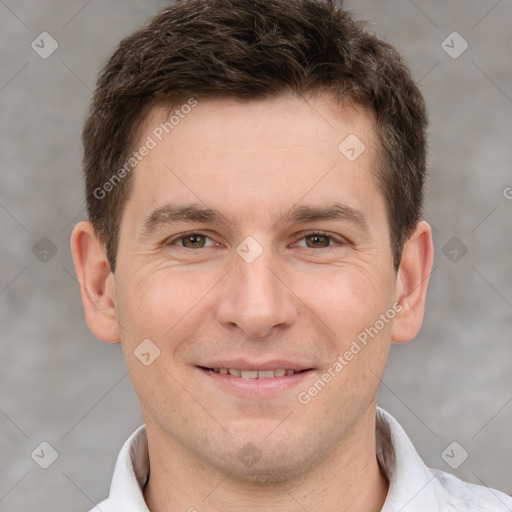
(250, 242)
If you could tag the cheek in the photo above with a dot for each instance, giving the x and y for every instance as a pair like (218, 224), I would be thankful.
(150, 307)
(140, 309)
(161, 305)
(351, 307)
(350, 304)
(347, 299)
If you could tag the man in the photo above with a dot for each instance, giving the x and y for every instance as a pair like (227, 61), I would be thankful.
(254, 175)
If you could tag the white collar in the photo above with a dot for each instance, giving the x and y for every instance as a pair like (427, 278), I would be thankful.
(413, 486)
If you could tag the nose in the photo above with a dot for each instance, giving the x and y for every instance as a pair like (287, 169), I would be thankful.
(256, 298)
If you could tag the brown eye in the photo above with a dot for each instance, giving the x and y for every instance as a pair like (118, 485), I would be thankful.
(194, 241)
(318, 241)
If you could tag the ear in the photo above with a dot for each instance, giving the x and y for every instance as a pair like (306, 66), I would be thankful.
(97, 285)
(412, 282)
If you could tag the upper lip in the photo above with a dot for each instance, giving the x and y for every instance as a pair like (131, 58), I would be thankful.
(242, 364)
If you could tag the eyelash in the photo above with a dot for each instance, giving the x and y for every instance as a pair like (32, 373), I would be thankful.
(336, 240)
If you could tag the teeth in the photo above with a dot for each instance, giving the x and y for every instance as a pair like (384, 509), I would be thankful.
(254, 374)
(249, 374)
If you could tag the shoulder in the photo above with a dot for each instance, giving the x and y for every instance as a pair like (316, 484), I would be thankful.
(130, 476)
(104, 506)
(414, 487)
(461, 495)
(112, 505)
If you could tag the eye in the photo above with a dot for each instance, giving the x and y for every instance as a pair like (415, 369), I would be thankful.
(319, 240)
(191, 241)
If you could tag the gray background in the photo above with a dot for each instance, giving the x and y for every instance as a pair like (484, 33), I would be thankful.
(60, 385)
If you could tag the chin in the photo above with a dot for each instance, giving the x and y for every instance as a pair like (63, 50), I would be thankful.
(266, 474)
(275, 464)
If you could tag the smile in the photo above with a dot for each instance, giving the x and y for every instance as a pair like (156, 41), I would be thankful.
(254, 374)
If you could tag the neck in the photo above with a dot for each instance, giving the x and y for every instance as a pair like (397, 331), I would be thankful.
(349, 479)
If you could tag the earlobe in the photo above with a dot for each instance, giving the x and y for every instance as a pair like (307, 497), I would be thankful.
(412, 282)
(97, 285)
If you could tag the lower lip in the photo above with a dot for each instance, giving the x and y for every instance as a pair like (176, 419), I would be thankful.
(256, 387)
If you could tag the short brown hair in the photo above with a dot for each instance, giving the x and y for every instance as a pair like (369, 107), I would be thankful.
(254, 49)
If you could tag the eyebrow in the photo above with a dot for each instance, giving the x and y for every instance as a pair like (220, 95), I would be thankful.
(169, 213)
(188, 213)
(336, 211)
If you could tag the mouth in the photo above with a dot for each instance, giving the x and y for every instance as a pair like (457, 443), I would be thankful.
(254, 374)
(247, 380)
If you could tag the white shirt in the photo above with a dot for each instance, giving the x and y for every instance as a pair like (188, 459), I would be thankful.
(413, 487)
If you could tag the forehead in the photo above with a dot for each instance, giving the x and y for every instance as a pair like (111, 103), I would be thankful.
(264, 154)
(277, 123)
